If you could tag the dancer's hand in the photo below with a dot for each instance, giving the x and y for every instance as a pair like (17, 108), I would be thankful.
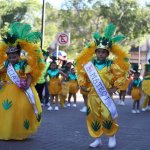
(112, 90)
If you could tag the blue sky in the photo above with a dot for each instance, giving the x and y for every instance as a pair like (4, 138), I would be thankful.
(57, 3)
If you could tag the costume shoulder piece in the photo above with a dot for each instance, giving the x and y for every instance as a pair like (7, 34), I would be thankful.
(106, 41)
(22, 36)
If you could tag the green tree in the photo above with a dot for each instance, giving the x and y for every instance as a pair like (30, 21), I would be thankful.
(130, 19)
(13, 10)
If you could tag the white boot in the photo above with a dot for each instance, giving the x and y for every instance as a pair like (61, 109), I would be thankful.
(96, 143)
(148, 107)
(122, 103)
(84, 109)
(144, 109)
(119, 102)
(112, 142)
(56, 108)
(50, 108)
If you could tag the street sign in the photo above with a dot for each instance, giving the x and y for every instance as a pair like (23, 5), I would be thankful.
(63, 39)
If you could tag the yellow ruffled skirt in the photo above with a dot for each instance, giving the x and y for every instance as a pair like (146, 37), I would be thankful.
(136, 94)
(17, 118)
(124, 87)
(99, 120)
(73, 87)
(63, 93)
(146, 101)
(54, 86)
(146, 87)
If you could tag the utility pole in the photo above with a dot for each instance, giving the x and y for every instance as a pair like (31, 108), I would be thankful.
(43, 24)
(139, 61)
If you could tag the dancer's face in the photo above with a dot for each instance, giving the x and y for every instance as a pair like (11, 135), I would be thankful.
(136, 75)
(72, 71)
(102, 54)
(13, 58)
(53, 66)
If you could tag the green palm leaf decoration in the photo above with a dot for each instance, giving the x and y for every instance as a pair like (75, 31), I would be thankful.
(88, 111)
(96, 125)
(109, 31)
(107, 124)
(7, 104)
(39, 116)
(26, 124)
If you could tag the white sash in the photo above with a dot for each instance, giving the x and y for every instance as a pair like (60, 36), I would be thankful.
(16, 80)
(100, 88)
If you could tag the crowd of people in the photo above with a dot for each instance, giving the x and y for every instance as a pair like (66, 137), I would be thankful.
(35, 78)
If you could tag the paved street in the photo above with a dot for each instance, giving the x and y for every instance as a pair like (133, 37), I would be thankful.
(66, 130)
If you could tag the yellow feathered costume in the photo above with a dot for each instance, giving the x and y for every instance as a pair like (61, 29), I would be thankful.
(18, 119)
(146, 87)
(99, 120)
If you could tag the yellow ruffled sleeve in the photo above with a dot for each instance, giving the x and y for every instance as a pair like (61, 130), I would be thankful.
(82, 77)
(120, 76)
(145, 85)
(120, 66)
(2, 69)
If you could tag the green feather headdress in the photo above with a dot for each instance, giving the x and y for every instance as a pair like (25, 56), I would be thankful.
(108, 38)
(21, 31)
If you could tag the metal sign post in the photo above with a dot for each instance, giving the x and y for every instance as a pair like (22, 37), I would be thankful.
(43, 24)
(57, 50)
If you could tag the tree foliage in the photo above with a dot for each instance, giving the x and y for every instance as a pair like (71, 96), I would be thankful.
(79, 17)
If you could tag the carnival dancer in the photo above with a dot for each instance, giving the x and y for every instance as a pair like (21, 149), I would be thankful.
(123, 91)
(136, 91)
(42, 83)
(73, 87)
(146, 88)
(106, 76)
(54, 84)
(65, 84)
(20, 111)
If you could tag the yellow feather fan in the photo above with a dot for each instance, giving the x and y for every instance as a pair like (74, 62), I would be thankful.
(85, 56)
(121, 57)
(34, 58)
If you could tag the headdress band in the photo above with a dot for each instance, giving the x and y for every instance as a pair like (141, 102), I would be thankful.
(12, 50)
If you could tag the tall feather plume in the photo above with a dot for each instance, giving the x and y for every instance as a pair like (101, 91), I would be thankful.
(109, 31)
(13, 29)
(33, 37)
(118, 38)
(97, 38)
(10, 39)
(24, 30)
